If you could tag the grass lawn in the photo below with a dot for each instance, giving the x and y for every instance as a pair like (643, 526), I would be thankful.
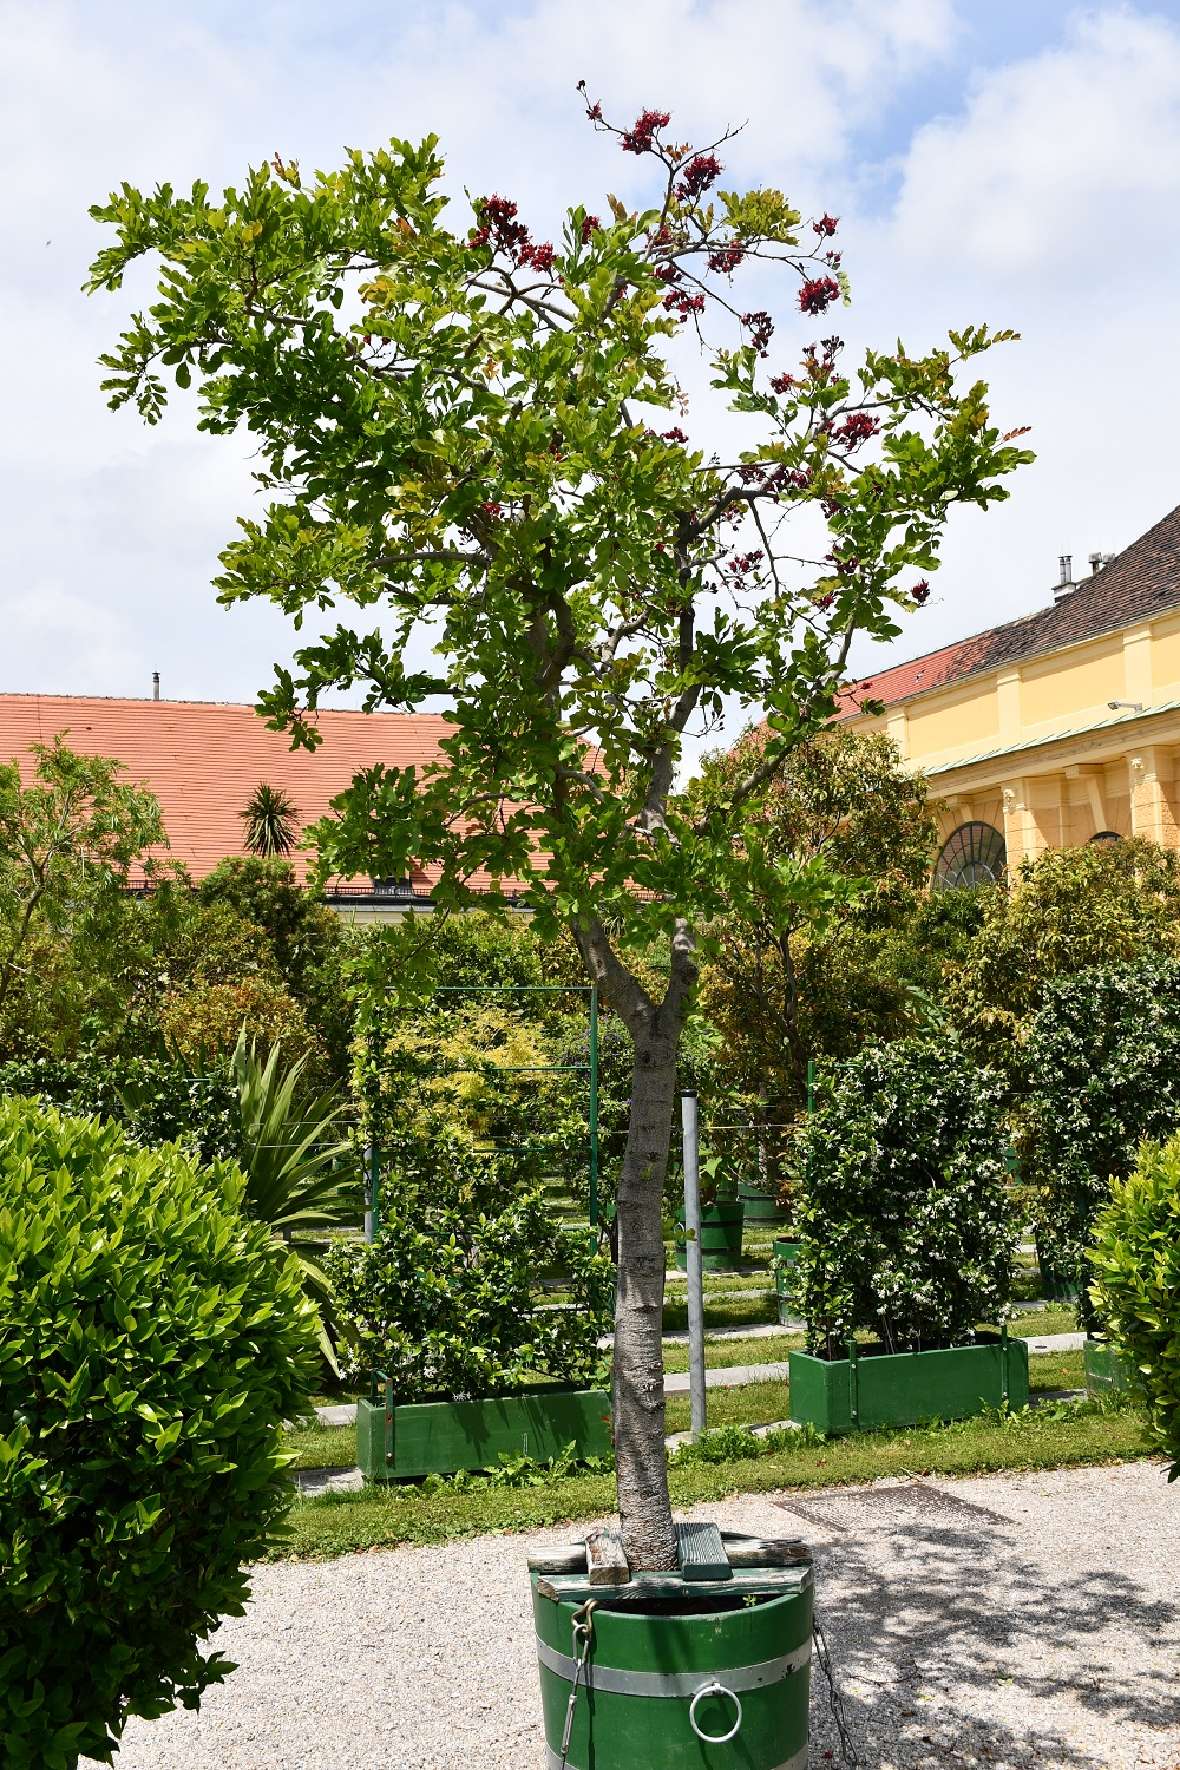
(337, 1524)
(1055, 1318)
(724, 1354)
(751, 1309)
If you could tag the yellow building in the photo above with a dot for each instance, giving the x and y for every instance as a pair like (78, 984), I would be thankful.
(1059, 728)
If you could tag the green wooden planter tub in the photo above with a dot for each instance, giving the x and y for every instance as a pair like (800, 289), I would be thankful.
(904, 1388)
(1108, 1372)
(442, 1437)
(760, 1203)
(721, 1237)
(736, 1663)
(786, 1252)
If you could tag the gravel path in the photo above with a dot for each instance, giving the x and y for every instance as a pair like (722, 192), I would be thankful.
(1007, 1621)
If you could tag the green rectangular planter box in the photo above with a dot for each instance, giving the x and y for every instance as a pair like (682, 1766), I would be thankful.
(441, 1437)
(903, 1388)
(1108, 1372)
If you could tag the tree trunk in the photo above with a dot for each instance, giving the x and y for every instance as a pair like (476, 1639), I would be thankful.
(649, 1538)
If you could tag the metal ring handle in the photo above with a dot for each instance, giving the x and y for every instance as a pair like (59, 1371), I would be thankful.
(715, 1689)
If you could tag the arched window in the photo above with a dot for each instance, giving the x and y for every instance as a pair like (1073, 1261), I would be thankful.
(1106, 836)
(974, 854)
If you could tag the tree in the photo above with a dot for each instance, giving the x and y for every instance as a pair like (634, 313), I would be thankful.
(906, 1227)
(310, 944)
(815, 974)
(1070, 910)
(1101, 1073)
(1135, 1262)
(479, 434)
(271, 820)
(68, 840)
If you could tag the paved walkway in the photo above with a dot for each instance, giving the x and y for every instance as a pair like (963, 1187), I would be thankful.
(1017, 1622)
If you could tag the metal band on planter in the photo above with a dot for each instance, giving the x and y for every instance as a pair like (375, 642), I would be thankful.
(797, 1761)
(672, 1684)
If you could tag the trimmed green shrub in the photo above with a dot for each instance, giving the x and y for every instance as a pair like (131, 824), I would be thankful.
(1102, 1062)
(1136, 1265)
(445, 1299)
(905, 1223)
(155, 1101)
(151, 1343)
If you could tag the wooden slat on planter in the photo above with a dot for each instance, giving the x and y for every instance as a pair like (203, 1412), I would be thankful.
(606, 1564)
(701, 1552)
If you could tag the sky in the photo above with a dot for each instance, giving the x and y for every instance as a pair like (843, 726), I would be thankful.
(1014, 163)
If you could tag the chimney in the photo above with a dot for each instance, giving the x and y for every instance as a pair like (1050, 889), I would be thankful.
(155, 685)
(1098, 561)
(1065, 585)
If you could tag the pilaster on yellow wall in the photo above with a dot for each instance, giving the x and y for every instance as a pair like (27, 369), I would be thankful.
(1138, 684)
(898, 731)
(1044, 813)
(1008, 707)
(1153, 804)
(1015, 823)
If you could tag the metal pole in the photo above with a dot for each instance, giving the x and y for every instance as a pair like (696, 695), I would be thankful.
(368, 1161)
(594, 1107)
(811, 1084)
(692, 1232)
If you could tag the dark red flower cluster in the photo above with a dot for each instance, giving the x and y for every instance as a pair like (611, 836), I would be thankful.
(681, 302)
(640, 137)
(499, 228)
(700, 172)
(675, 435)
(539, 256)
(856, 428)
(835, 259)
(817, 294)
(594, 112)
(667, 273)
(727, 258)
(742, 564)
(590, 225)
(783, 383)
(921, 592)
(493, 511)
(777, 479)
(761, 329)
(826, 600)
(826, 226)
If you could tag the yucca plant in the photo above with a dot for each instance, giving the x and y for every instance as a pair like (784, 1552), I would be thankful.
(302, 1174)
(271, 820)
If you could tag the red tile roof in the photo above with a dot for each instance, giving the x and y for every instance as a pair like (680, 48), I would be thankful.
(1142, 581)
(203, 759)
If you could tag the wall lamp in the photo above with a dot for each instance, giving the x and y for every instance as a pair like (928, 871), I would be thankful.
(1127, 706)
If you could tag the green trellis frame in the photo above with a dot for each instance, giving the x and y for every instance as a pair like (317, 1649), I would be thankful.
(590, 992)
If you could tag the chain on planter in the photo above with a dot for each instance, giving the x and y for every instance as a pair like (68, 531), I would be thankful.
(835, 1699)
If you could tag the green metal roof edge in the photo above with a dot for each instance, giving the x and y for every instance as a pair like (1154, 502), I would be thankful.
(1055, 737)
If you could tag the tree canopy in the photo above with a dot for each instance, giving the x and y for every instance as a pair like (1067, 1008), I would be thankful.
(476, 437)
(813, 973)
(68, 838)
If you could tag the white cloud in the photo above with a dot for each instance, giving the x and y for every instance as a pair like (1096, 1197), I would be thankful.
(1042, 195)
(1063, 164)
(1047, 202)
